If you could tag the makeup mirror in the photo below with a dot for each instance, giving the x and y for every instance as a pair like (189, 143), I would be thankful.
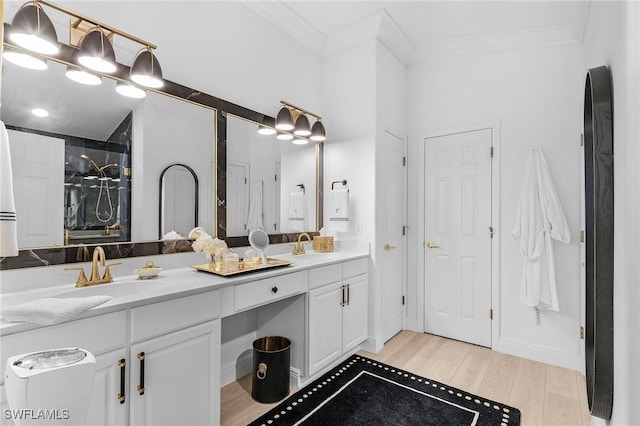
(259, 240)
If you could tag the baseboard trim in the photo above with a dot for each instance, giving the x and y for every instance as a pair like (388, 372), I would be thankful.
(233, 372)
(372, 345)
(539, 353)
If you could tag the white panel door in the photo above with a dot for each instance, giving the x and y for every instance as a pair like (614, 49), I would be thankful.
(457, 236)
(38, 179)
(392, 246)
(237, 199)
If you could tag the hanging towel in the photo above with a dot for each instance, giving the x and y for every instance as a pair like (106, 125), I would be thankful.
(339, 214)
(51, 310)
(254, 219)
(539, 219)
(296, 211)
(8, 224)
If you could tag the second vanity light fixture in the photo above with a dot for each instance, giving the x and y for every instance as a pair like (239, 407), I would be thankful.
(32, 30)
(292, 124)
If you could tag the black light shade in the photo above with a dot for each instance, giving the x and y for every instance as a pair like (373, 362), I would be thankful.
(146, 70)
(317, 132)
(96, 52)
(302, 127)
(32, 29)
(284, 120)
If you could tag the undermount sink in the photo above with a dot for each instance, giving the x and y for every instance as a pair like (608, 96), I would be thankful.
(309, 256)
(115, 290)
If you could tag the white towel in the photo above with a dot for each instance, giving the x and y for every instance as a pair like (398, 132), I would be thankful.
(8, 224)
(296, 211)
(254, 218)
(339, 213)
(51, 310)
(539, 218)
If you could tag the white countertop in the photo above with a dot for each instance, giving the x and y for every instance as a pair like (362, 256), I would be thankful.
(127, 291)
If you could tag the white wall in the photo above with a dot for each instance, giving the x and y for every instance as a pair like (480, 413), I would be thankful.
(612, 38)
(533, 98)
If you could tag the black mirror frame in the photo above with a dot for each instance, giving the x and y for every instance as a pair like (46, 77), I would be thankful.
(599, 240)
(160, 198)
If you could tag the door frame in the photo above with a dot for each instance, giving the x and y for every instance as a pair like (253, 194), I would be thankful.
(494, 127)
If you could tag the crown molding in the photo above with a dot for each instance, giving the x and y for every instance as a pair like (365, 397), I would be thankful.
(296, 27)
(548, 37)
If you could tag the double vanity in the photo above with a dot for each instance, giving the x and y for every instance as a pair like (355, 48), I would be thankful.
(164, 347)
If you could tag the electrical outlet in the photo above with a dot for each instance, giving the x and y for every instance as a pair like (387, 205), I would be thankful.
(359, 228)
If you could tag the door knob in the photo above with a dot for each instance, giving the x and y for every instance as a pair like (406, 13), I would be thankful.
(431, 245)
(389, 247)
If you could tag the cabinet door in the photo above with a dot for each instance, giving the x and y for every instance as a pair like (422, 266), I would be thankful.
(105, 407)
(181, 378)
(325, 326)
(354, 315)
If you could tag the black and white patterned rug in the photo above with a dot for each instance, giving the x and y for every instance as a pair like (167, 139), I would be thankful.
(361, 391)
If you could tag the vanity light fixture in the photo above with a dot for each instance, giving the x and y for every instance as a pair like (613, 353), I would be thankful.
(83, 77)
(96, 52)
(300, 141)
(281, 136)
(289, 114)
(32, 29)
(265, 130)
(25, 60)
(130, 91)
(146, 70)
(302, 127)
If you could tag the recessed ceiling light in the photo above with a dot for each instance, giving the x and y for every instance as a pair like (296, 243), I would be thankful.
(39, 112)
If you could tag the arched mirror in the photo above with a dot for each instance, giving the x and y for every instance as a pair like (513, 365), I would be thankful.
(178, 201)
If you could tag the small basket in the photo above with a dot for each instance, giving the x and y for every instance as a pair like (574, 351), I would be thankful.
(322, 244)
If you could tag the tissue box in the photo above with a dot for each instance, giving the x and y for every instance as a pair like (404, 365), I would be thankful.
(322, 244)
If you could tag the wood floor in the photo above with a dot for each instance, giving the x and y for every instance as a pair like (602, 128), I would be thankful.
(546, 395)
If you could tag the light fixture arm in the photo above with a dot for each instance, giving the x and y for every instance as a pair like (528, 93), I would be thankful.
(79, 18)
(302, 110)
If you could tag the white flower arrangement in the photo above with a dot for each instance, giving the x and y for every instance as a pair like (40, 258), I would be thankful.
(209, 245)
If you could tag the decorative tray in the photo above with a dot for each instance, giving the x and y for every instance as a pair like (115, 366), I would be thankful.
(271, 263)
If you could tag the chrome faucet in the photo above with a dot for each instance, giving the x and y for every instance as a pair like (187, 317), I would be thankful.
(99, 259)
(299, 246)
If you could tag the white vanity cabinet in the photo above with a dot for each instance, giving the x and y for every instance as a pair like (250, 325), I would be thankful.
(337, 311)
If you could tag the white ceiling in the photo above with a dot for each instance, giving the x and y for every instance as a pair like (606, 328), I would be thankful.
(425, 22)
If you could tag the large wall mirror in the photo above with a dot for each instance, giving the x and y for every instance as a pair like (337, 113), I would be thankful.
(271, 184)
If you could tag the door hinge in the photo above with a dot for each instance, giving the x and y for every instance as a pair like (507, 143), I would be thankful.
(581, 139)
(404, 161)
(404, 229)
(581, 236)
(581, 333)
(491, 152)
(275, 177)
(403, 300)
(491, 314)
(491, 232)
(245, 181)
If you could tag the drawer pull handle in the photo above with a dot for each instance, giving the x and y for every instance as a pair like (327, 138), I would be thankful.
(274, 290)
(141, 385)
(122, 364)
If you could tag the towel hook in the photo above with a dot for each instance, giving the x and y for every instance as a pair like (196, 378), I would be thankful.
(343, 182)
(301, 185)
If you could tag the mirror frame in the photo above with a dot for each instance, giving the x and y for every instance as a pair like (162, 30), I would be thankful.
(161, 197)
(46, 256)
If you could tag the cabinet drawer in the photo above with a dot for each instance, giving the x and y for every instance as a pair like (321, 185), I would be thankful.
(262, 292)
(352, 268)
(325, 275)
(160, 318)
(97, 335)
